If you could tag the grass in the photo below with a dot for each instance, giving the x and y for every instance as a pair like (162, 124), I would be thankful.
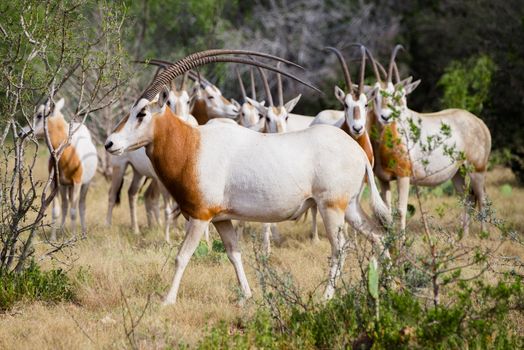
(115, 272)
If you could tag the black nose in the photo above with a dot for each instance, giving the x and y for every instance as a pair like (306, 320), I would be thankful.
(385, 118)
(357, 129)
(108, 145)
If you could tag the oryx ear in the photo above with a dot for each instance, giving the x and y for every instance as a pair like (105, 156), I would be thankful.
(262, 103)
(47, 107)
(412, 86)
(235, 103)
(340, 94)
(371, 93)
(59, 105)
(163, 97)
(259, 106)
(291, 104)
(405, 81)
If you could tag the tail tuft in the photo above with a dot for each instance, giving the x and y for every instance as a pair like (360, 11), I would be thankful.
(379, 206)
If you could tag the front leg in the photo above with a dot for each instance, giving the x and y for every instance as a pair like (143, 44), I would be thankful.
(230, 238)
(385, 192)
(194, 233)
(403, 195)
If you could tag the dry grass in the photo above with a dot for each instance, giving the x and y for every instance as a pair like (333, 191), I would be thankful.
(113, 262)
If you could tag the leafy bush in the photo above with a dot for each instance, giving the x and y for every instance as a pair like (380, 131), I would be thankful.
(34, 284)
(479, 318)
(466, 84)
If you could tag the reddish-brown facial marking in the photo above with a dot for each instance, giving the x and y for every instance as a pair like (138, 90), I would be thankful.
(174, 153)
(69, 164)
(356, 113)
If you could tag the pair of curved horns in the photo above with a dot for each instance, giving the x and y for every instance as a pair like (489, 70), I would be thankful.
(345, 69)
(212, 56)
(241, 83)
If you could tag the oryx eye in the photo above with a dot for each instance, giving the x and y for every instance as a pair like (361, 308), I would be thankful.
(39, 116)
(346, 105)
(211, 97)
(141, 115)
(243, 114)
(287, 117)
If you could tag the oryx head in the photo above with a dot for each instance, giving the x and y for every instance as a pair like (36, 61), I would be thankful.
(250, 117)
(137, 128)
(46, 110)
(217, 105)
(179, 100)
(275, 116)
(390, 101)
(355, 102)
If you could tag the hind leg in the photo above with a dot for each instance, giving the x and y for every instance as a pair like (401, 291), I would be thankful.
(74, 197)
(132, 192)
(333, 218)
(64, 190)
(359, 220)
(117, 179)
(55, 213)
(479, 190)
(151, 199)
(314, 230)
(460, 186)
(266, 245)
(403, 196)
(82, 208)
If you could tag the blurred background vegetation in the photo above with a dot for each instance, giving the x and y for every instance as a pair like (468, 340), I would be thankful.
(469, 54)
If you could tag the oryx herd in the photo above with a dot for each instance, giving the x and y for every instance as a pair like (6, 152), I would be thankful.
(214, 160)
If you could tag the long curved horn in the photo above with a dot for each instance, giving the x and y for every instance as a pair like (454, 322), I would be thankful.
(362, 70)
(241, 83)
(279, 87)
(345, 68)
(253, 87)
(397, 73)
(375, 66)
(392, 60)
(267, 90)
(165, 64)
(172, 71)
(382, 70)
(184, 65)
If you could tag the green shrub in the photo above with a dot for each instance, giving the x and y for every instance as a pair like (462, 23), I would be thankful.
(478, 318)
(34, 284)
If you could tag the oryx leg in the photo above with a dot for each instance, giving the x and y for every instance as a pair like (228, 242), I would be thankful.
(117, 180)
(132, 192)
(361, 222)
(266, 244)
(64, 190)
(385, 192)
(151, 200)
(479, 190)
(74, 197)
(82, 208)
(229, 237)
(314, 227)
(403, 196)
(459, 182)
(194, 233)
(334, 223)
(55, 213)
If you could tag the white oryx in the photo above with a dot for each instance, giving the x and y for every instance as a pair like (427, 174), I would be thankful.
(77, 164)
(220, 172)
(179, 102)
(448, 139)
(353, 119)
